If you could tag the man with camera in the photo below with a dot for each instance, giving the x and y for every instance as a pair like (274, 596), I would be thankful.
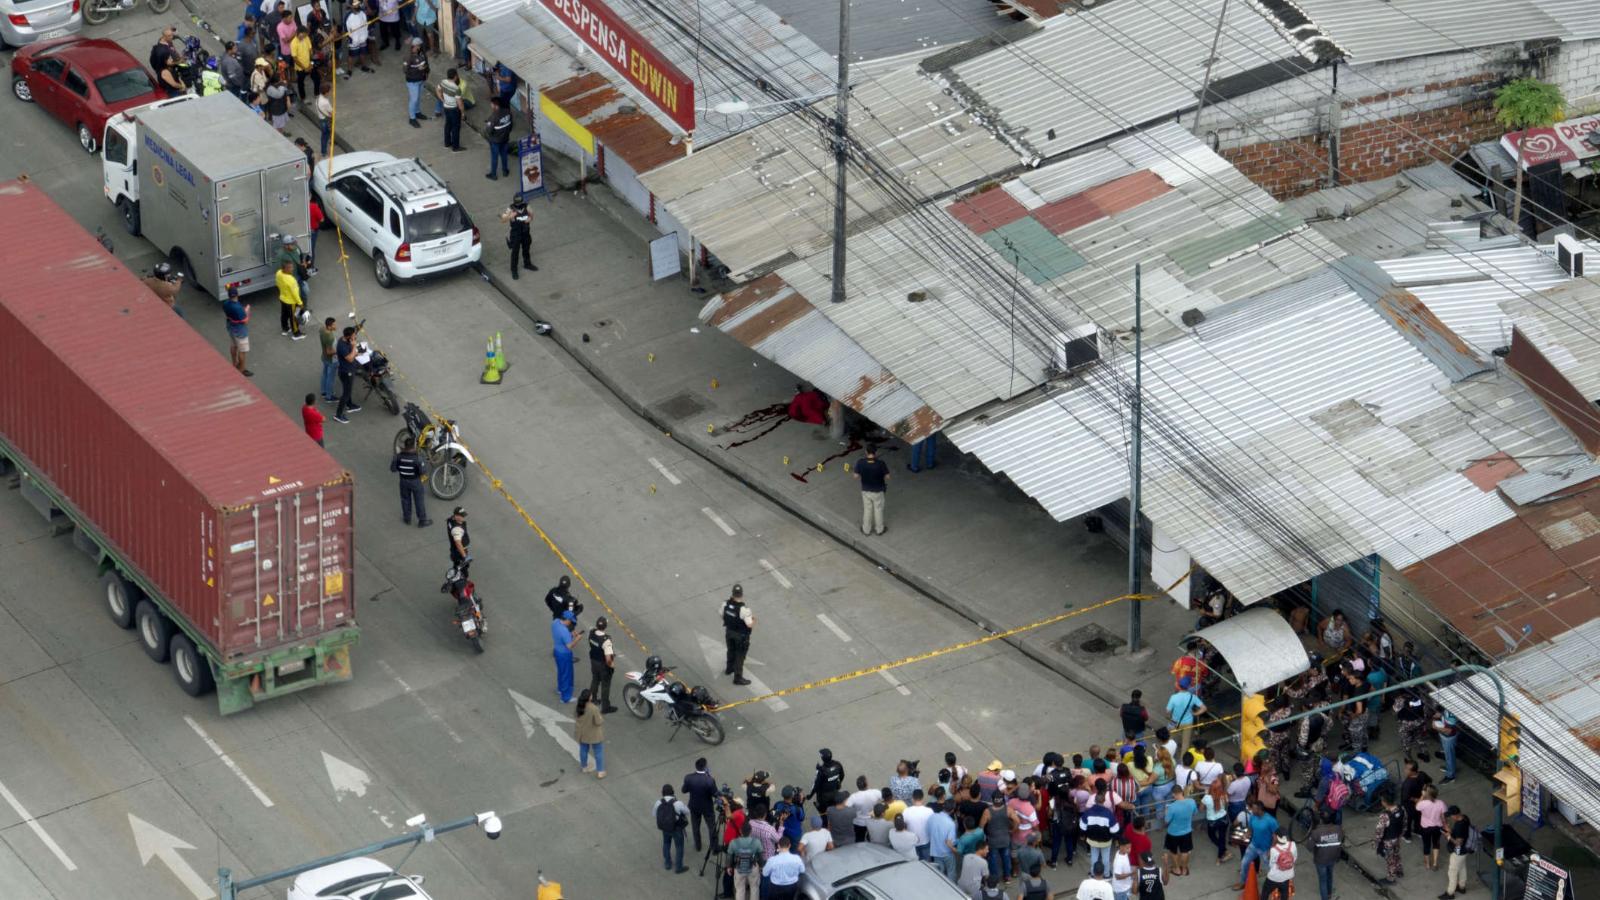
(758, 795)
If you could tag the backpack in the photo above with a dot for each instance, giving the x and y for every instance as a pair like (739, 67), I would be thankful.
(1474, 841)
(668, 818)
(1284, 859)
(1338, 793)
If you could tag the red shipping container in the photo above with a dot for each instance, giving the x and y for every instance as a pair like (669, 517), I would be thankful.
(184, 471)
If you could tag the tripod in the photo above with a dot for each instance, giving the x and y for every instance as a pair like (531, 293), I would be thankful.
(714, 848)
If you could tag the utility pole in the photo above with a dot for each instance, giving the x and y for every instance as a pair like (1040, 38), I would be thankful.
(1134, 581)
(841, 150)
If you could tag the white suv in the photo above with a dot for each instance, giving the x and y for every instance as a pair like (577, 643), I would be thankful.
(398, 211)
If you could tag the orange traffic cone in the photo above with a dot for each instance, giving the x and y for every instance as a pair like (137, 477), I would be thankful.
(1250, 892)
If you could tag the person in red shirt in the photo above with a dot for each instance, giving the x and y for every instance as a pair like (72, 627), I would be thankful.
(1192, 665)
(316, 226)
(1138, 839)
(313, 419)
(808, 406)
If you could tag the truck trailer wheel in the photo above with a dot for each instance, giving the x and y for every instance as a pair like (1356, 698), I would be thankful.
(155, 632)
(190, 667)
(121, 597)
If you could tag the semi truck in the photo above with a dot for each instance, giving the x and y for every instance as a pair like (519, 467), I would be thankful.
(222, 534)
(211, 185)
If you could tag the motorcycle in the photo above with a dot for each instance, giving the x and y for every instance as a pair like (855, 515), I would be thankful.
(693, 708)
(97, 12)
(439, 441)
(469, 607)
(375, 374)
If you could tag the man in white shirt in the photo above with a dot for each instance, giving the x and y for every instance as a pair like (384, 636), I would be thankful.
(355, 25)
(816, 841)
(1122, 868)
(1096, 887)
(782, 872)
(974, 866)
(917, 816)
(862, 802)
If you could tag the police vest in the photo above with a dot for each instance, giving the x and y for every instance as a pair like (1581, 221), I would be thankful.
(597, 646)
(521, 226)
(466, 539)
(409, 465)
(731, 618)
(211, 83)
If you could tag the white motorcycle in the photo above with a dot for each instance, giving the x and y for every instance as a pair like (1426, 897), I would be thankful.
(439, 442)
(691, 707)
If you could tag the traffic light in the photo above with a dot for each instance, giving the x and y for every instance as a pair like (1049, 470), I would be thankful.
(1252, 709)
(1510, 736)
(1508, 788)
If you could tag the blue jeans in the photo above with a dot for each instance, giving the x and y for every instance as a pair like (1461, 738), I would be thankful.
(452, 128)
(1059, 838)
(500, 157)
(1325, 881)
(1447, 744)
(922, 852)
(1000, 862)
(948, 865)
(1234, 808)
(1101, 855)
(1252, 853)
(327, 136)
(329, 367)
(672, 841)
(413, 98)
(1160, 794)
(599, 756)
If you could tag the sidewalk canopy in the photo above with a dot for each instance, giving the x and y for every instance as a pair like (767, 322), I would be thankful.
(1260, 648)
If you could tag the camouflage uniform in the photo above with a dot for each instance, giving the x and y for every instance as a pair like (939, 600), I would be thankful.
(1390, 820)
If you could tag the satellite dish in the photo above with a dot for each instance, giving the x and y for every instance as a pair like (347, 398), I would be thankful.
(1512, 643)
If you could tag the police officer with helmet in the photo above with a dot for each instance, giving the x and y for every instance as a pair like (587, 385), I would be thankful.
(520, 236)
(737, 623)
(561, 601)
(455, 529)
(602, 663)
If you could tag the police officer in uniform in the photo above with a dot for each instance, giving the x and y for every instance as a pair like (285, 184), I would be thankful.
(828, 783)
(408, 465)
(561, 601)
(737, 623)
(455, 530)
(520, 237)
(602, 662)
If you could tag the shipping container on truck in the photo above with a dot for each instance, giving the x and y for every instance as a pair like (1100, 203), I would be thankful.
(211, 185)
(222, 533)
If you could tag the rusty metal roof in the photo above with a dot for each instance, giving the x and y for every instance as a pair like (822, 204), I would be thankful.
(772, 318)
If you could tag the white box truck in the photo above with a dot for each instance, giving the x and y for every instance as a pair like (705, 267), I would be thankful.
(209, 183)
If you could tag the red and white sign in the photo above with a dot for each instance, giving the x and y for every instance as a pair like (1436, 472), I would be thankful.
(1564, 141)
(627, 53)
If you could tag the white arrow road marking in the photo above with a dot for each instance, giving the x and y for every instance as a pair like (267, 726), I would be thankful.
(779, 576)
(346, 779)
(426, 707)
(950, 733)
(153, 842)
(889, 677)
(665, 472)
(833, 626)
(535, 715)
(228, 761)
(717, 656)
(38, 830)
(712, 515)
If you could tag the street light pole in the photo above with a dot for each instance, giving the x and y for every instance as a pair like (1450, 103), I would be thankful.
(841, 151)
(228, 889)
(1135, 609)
(1497, 886)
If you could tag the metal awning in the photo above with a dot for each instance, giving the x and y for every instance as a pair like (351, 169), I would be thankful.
(1260, 648)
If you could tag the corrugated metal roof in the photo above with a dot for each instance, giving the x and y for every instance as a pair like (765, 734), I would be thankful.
(880, 28)
(1560, 322)
(1576, 16)
(1356, 447)
(771, 318)
(1105, 70)
(1385, 223)
(1531, 487)
(1554, 689)
(768, 195)
(788, 59)
(491, 9)
(1375, 30)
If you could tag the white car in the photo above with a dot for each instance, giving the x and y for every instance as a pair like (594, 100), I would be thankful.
(361, 878)
(399, 212)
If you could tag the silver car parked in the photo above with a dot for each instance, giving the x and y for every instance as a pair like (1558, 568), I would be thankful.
(26, 21)
(873, 872)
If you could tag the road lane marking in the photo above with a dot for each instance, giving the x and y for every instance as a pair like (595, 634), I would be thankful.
(535, 715)
(345, 778)
(950, 733)
(712, 515)
(838, 632)
(665, 472)
(779, 576)
(37, 829)
(152, 842)
(889, 677)
(426, 706)
(228, 761)
(716, 656)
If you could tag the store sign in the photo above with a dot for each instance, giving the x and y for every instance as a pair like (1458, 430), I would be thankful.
(1564, 141)
(629, 55)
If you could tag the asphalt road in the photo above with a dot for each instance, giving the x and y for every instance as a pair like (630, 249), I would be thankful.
(118, 785)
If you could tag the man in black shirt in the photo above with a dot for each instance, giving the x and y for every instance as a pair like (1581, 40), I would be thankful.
(874, 477)
(409, 466)
(701, 790)
(1327, 842)
(561, 601)
(1134, 716)
(1460, 830)
(829, 781)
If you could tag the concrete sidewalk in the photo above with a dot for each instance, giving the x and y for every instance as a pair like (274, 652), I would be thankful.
(963, 537)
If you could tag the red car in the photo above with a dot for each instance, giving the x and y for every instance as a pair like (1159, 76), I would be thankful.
(83, 82)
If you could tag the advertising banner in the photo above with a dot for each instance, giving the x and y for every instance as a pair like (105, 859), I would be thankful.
(626, 53)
